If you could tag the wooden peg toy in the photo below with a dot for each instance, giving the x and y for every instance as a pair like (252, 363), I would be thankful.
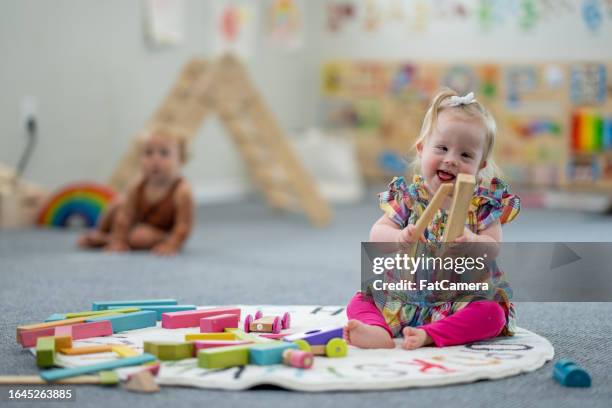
(298, 358)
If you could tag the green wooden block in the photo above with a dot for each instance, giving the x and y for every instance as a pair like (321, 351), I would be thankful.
(108, 378)
(222, 357)
(45, 351)
(169, 350)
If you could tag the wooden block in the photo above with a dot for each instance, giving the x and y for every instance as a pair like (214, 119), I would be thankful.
(462, 196)
(169, 350)
(27, 338)
(205, 344)
(91, 329)
(191, 318)
(63, 331)
(219, 323)
(159, 309)
(60, 373)
(75, 351)
(115, 309)
(55, 317)
(44, 328)
(269, 353)
(222, 357)
(432, 208)
(62, 342)
(103, 305)
(242, 335)
(142, 381)
(129, 321)
(103, 378)
(45, 351)
(210, 336)
(123, 350)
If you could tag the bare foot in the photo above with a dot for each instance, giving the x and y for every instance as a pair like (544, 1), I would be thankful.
(366, 336)
(415, 338)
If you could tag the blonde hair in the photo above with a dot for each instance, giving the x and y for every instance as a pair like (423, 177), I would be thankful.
(440, 103)
(172, 134)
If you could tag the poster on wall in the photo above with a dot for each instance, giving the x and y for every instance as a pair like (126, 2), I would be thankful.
(164, 24)
(284, 23)
(234, 28)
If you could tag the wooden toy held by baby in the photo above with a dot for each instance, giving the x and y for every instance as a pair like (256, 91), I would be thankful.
(462, 195)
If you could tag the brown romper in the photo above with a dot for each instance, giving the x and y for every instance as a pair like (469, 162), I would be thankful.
(160, 214)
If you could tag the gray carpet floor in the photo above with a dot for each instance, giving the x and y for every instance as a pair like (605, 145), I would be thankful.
(244, 253)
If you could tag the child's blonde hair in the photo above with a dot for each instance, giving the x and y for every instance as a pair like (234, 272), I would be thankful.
(475, 109)
(170, 133)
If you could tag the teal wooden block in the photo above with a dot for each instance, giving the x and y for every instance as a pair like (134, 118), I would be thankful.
(269, 353)
(160, 309)
(129, 321)
(55, 317)
(59, 373)
(99, 305)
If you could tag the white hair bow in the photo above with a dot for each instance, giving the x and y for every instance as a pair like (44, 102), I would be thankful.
(461, 100)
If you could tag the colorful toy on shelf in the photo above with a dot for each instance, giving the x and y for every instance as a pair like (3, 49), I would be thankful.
(266, 324)
(84, 201)
(569, 374)
(591, 132)
(321, 342)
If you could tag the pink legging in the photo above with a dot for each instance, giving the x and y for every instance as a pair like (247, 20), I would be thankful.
(478, 320)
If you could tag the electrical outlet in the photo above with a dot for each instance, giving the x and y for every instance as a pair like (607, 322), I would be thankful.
(29, 111)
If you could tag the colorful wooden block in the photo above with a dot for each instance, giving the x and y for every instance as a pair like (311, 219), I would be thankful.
(55, 317)
(569, 374)
(316, 336)
(242, 335)
(58, 374)
(269, 353)
(123, 350)
(114, 309)
(44, 328)
(191, 318)
(129, 321)
(298, 358)
(132, 303)
(45, 351)
(75, 351)
(205, 344)
(63, 331)
(169, 350)
(218, 323)
(159, 309)
(62, 342)
(222, 357)
(91, 329)
(210, 336)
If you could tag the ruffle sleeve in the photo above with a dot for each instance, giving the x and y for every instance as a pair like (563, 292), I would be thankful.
(396, 201)
(495, 202)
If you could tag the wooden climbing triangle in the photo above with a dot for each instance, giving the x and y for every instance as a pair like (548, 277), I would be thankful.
(224, 87)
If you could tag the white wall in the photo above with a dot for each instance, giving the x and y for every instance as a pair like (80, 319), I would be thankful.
(96, 82)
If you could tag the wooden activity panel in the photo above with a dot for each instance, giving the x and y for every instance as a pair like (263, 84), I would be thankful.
(554, 119)
(224, 87)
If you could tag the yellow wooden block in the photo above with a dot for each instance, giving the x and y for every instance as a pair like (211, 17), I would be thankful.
(210, 336)
(123, 351)
(63, 342)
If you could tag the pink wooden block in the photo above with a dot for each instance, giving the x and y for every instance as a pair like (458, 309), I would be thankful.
(205, 344)
(92, 329)
(28, 338)
(191, 318)
(63, 331)
(217, 324)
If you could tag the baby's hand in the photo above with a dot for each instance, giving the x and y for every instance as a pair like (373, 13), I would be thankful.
(407, 236)
(117, 246)
(165, 249)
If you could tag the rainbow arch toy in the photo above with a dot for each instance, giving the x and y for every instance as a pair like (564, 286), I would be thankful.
(83, 201)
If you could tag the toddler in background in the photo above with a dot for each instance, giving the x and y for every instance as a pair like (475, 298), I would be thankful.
(156, 212)
(457, 136)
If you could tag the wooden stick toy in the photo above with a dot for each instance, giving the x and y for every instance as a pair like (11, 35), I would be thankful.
(103, 378)
(462, 195)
